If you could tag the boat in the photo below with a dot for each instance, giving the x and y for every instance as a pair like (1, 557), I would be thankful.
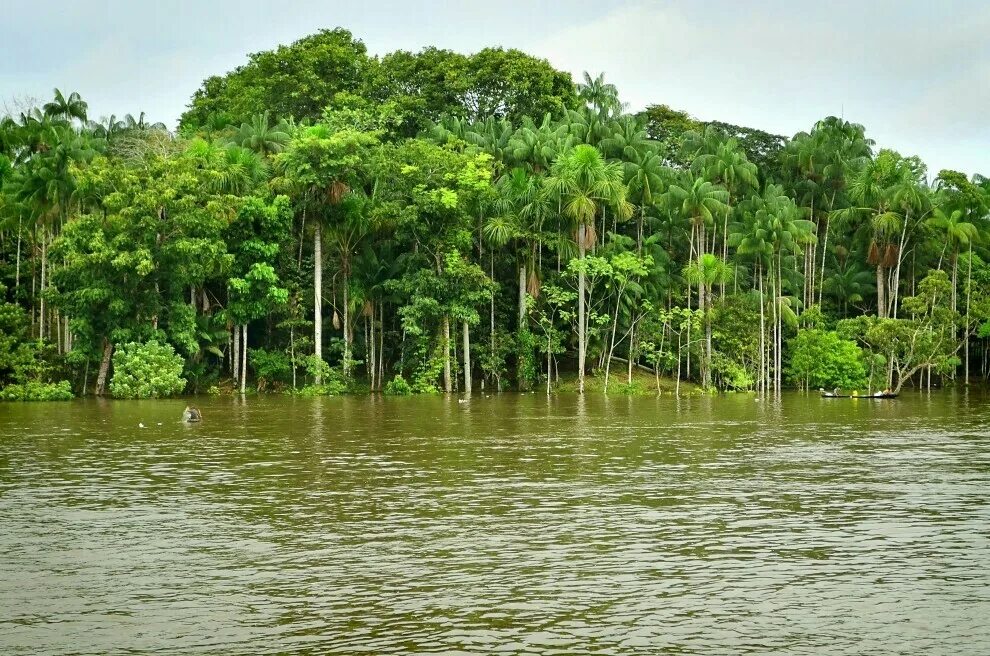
(877, 395)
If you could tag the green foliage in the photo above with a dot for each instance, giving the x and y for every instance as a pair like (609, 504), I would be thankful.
(295, 81)
(398, 386)
(35, 391)
(822, 359)
(350, 211)
(270, 366)
(148, 370)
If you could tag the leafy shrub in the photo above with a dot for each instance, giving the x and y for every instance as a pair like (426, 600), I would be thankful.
(149, 370)
(333, 381)
(398, 387)
(270, 366)
(35, 391)
(331, 388)
(425, 377)
(730, 374)
(823, 359)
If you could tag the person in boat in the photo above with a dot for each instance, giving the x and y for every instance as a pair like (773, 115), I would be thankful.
(191, 414)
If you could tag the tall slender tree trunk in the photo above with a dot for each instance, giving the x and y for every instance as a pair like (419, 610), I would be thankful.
(445, 340)
(522, 296)
(292, 353)
(43, 319)
(969, 284)
(467, 359)
(521, 362)
(632, 350)
(955, 277)
(881, 297)
(725, 246)
(17, 268)
(582, 346)
(235, 362)
(763, 332)
(780, 325)
(244, 357)
(318, 296)
(708, 346)
(611, 341)
(491, 312)
(549, 359)
(348, 334)
(101, 378)
(373, 369)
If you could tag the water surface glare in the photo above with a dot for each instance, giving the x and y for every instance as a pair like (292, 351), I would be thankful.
(508, 525)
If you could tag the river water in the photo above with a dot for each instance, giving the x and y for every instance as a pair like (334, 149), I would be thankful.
(511, 524)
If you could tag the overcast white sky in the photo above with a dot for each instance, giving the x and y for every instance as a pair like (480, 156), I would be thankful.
(916, 73)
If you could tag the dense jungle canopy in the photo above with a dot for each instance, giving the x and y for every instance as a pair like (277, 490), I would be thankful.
(323, 221)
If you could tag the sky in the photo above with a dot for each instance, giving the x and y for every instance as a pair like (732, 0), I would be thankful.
(915, 73)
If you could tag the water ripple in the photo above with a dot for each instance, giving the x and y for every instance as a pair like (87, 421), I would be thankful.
(515, 525)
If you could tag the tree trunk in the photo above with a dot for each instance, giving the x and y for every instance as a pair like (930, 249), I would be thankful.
(381, 345)
(17, 269)
(522, 296)
(969, 284)
(955, 278)
(235, 362)
(318, 296)
(292, 353)
(881, 297)
(632, 350)
(347, 326)
(44, 281)
(445, 340)
(373, 367)
(101, 378)
(708, 349)
(763, 331)
(611, 341)
(467, 359)
(582, 347)
(244, 358)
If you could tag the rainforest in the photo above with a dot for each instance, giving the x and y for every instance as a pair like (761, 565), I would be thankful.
(324, 221)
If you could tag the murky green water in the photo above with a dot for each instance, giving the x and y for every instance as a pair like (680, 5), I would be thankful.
(511, 525)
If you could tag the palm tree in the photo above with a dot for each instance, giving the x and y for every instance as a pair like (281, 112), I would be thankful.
(850, 284)
(646, 178)
(537, 146)
(705, 272)
(599, 95)
(66, 108)
(322, 167)
(262, 137)
(727, 165)
(887, 193)
(585, 184)
(951, 226)
(701, 202)
(139, 123)
(773, 227)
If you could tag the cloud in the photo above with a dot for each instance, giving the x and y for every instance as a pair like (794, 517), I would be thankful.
(782, 66)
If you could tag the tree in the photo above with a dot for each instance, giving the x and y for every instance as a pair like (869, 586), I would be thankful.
(321, 167)
(822, 359)
(298, 80)
(262, 137)
(585, 185)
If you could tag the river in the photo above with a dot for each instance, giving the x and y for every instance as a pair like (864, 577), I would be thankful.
(510, 524)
